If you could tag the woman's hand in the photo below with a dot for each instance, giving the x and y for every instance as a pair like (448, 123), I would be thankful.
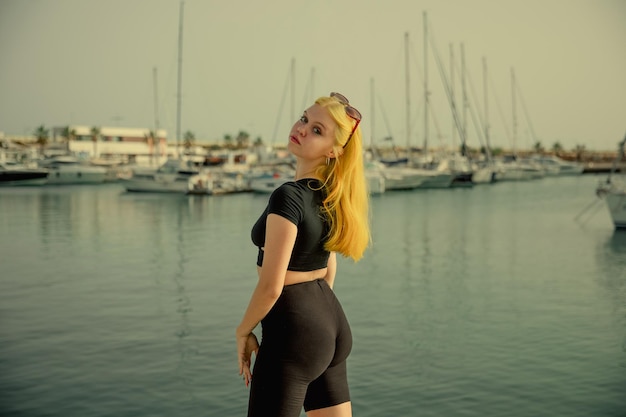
(246, 344)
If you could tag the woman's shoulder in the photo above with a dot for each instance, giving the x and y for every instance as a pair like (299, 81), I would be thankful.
(305, 185)
(296, 192)
(289, 190)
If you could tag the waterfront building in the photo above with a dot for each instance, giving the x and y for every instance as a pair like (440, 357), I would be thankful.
(131, 144)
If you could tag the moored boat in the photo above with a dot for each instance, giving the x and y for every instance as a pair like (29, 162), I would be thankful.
(613, 191)
(216, 183)
(18, 174)
(171, 177)
(268, 182)
(68, 169)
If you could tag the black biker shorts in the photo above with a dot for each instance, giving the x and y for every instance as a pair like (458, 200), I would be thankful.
(302, 358)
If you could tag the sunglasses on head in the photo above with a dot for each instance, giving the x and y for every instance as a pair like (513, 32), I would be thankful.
(350, 111)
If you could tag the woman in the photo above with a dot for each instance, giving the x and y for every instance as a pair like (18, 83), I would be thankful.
(306, 337)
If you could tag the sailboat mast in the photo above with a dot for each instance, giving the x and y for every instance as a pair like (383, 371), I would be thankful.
(156, 101)
(407, 94)
(155, 136)
(486, 115)
(372, 101)
(180, 76)
(293, 90)
(465, 100)
(452, 82)
(513, 110)
(426, 104)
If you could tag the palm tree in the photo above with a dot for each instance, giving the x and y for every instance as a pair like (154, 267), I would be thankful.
(228, 140)
(258, 141)
(150, 141)
(149, 136)
(580, 151)
(42, 134)
(68, 134)
(243, 139)
(95, 134)
(65, 133)
(557, 148)
(538, 147)
(188, 140)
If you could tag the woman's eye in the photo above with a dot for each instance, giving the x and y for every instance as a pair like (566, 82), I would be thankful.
(303, 119)
(317, 130)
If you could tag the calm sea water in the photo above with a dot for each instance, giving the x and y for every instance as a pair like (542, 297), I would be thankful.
(490, 301)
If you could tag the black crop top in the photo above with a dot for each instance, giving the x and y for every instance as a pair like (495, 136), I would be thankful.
(299, 202)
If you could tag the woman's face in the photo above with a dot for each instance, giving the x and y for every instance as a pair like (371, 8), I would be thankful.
(313, 135)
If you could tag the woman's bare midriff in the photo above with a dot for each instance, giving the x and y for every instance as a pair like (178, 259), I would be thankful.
(296, 277)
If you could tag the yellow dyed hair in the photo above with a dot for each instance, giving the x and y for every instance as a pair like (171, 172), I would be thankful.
(346, 203)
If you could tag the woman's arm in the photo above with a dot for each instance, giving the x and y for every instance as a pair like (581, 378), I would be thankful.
(280, 237)
(332, 269)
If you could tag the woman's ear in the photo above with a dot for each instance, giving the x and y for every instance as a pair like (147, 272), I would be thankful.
(330, 154)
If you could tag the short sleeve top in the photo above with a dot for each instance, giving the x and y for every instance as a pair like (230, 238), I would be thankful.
(300, 202)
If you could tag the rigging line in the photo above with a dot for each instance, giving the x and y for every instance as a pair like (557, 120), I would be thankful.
(307, 92)
(436, 123)
(478, 123)
(473, 95)
(282, 104)
(589, 206)
(500, 112)
(419, 110)
(446, 86)
(420, 75)
(386, 120)
(416, 116)
(530, 125)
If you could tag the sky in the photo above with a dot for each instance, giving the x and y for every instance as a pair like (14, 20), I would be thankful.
(255, 65)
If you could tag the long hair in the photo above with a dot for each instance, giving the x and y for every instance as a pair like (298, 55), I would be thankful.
(346, 202)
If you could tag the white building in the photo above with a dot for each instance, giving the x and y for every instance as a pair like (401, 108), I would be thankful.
(133, 144)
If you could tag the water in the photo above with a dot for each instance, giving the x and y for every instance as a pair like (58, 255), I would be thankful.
(484, 302)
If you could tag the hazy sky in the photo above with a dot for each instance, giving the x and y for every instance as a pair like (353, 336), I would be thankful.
(91, 63)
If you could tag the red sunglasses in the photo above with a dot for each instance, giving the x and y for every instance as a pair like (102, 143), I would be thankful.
(350, 111)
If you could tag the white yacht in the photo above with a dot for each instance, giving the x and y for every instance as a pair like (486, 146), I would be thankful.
(68, 169)
(375, 177)
(267, 182)
(511, 169)
(557, 166)
(171, 177)
(210, 182)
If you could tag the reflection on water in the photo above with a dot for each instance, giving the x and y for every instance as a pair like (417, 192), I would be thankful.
(487, 302)
(186, 346)
(612, 261)
(611, 255)
(617, 244)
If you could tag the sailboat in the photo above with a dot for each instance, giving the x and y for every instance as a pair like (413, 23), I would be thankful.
(613, 189)
(404, 174)
(178, 175)
(512, 168)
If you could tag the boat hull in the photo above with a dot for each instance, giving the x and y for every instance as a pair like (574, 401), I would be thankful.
(156, 186)
(400, 178)
(28, 177)
(76, 175)
(616, 203)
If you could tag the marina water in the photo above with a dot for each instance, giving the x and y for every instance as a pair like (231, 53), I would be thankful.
(491, 301)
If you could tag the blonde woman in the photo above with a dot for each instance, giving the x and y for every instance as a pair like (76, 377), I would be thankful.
(306, 338)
